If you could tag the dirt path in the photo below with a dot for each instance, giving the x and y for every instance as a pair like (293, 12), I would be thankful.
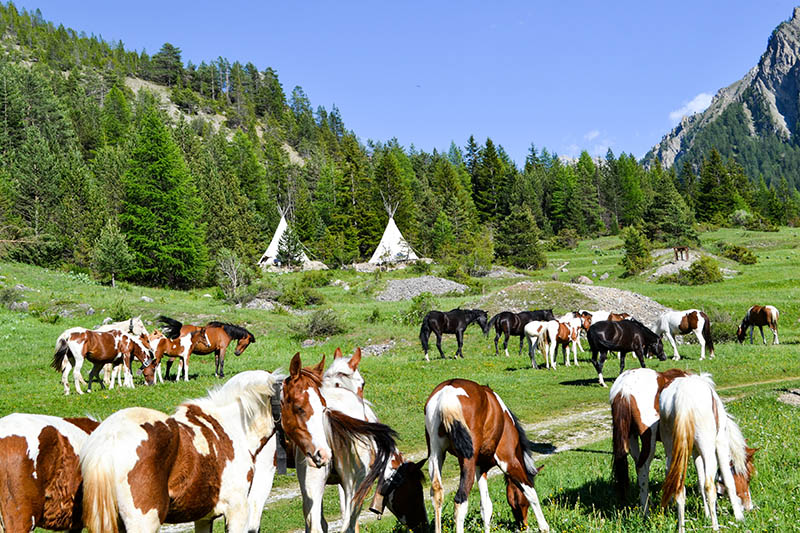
(565, 432)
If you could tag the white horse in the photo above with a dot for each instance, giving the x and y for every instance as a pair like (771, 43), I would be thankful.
(540, 333)
(693, 421)
(141, 467)
(684, 322)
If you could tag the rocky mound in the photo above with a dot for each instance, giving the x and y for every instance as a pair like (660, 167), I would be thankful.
(644, 309)
(668, 265)
(405, 289)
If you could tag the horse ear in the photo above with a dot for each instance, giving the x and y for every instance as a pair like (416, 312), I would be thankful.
(295, 365)
(539, 469)
(353, 363)
(337, 354)
(320, 367)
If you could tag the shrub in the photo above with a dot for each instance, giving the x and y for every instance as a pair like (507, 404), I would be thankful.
(315, 278)
(120, 310)
(723, 324)
(298, 296)
(322, 323)
(421, 305)
(637, 252)
(567, 239)
(740, 218)
(374, 317)
(421, 267)
(233, 275)
(740, 254)
(703, 271)
(9, 295)
(44, 314)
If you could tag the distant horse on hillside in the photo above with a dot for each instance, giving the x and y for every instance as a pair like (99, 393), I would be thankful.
(219, 335)
(454, 321)
(759, 316)
(508, 323)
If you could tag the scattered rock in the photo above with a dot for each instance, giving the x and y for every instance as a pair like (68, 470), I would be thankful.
(641, 307)
(21, 287)
(792, 397)
(260, 303)
(87, 309)
(594, 274)
(555, 276)
(564, 270)
(604, 276)
(500, 272)
(671, 266)
(65, 313)
(206, 295)
(339, 283)
(583, 280)
(308, 343)
(19, 306)
(594, 261)
(378, 349)
(146, 299)
(405, 289)
(107, 320)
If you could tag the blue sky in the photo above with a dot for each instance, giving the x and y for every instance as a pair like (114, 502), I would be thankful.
(563, 75)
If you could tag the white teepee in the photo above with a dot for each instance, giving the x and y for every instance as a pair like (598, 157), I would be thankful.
(393, 247)
(271, 255)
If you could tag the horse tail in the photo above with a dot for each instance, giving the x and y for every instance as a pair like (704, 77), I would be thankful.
(682, 444)
(707, 334)
(170, 327)
(345, 429)
(454, 425)
(62, 351)
(100, 512)
(425, 333)
(491, 323)
(621, 416)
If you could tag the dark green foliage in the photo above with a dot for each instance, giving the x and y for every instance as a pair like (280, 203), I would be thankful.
(290, 249)
(567, 239)
(120, 310)
(723, 324)
(637, 252)
(740, 254)
(321, 323)
(111, 254)
(517, 241)
(9, 295)
(667, 218)
(704, 270)
(421, 305)
(315, 279)
(299, 296)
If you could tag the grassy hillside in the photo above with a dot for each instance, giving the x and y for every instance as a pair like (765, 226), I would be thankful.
(399, 382)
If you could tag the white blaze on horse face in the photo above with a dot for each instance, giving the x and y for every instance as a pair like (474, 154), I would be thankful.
(316, 426)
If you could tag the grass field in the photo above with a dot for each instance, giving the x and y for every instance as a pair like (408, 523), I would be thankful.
(574, 486)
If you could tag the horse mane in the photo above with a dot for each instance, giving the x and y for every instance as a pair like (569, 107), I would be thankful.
(738, 448)
(527, 448)
(252, 390)
(647, 331)
(235, 332)
(170, 327)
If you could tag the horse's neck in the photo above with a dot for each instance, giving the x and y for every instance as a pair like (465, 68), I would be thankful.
(230, 417)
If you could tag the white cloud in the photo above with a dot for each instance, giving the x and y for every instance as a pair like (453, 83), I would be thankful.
(697, 104)
(592, 135)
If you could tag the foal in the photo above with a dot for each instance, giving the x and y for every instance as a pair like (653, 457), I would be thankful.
(759, 316)
(471, 422)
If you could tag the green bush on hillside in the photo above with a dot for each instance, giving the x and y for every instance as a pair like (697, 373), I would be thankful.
(322, 323)
(740, 254)
(637, 252)
(421, 305)
(704, 270)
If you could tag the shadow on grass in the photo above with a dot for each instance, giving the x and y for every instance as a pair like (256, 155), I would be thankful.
(543, 448)
(592, 382)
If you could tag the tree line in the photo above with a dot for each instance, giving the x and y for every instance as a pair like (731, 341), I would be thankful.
(92, 172)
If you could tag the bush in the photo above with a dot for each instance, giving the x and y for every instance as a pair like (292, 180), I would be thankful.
(374, 317)
(421, 305)
(120, 310)
(9, 295)
(637, 252)
(567, 239)
(703, 271)
(740, 218)
(315, 279)
(233, 275)
(421, 267)
(723, 324)
(298, 296)
(322, 323)
(44, 314)
(740, 254)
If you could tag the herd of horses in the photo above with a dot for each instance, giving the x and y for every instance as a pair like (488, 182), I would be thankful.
(217, 456)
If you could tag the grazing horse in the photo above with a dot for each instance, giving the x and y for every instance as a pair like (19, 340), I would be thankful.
(471, 422)
(219, 335)
(759, 316)
(681, 252)
(100, 348)
(357, 450)
(693, 421)
(684, 322)
(624, 336)
(508, 323)
(455, 321)
(142, 468)
(40, 474)
(181, 347)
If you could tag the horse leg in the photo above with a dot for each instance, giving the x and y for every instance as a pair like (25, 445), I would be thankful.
(521, 340)
(496, 337)
(486, 500)
(107, 368)
(505, 343)
(598, 365)
(643, 471)
(94, 375)
(532, 346)
(699, 334)
(752, 327)
(66, 367)
(263, 477)
(676, 356)
(707, 484)
(763, 338)
(436, 456)
(439, 343)
(517, 474)
(76, 374)
(774, 328)
(312, 487)
(185, 363)
(460, 341)
(462, 494)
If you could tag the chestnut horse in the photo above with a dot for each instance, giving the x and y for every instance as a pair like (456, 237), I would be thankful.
(471, 422)
(693, 421)
(101, 348)
(759, 316)
(357, 450)
(508, 323)
(40, 474)
(142, 468)
(219, 335)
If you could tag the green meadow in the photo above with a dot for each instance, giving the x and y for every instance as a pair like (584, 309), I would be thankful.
(575, 485)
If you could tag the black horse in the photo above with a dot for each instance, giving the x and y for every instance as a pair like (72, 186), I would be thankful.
(623, 337)
(455, 321)
(508, 323)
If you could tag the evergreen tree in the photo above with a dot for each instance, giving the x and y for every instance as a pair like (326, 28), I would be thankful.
(586, 196)
(116, 117)
(667, 216)
(716, 196)
(162, 225)
(637, 251)
(111, 254)
(290, 250)
(632, 197)
(517, 241)
(562, 209)
(167, 67)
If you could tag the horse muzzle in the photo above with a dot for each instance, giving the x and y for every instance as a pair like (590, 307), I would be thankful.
(320, 458)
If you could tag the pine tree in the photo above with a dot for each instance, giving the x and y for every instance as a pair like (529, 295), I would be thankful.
(162, 226)
(517, 241)
(667, 216)
(167, 66)
(116, 117)
(637, 252)
(586, 196)
(111, 254)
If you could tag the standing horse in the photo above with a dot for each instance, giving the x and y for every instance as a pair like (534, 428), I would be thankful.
(358, 451)
(454, 321)
(623, 337)
(142, 468)
(471, 422)
(219, 335)
(508, 323)
(180, 347)
(693, 421)
(582, 322)
(100, 348)
(759, 316)
(40, 474)
(684, 322)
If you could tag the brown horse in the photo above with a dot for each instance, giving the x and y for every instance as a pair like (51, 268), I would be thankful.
(219, 335)
(40, 471)
(103, 347)
(471, 422)
(181, 347)
(760, 316)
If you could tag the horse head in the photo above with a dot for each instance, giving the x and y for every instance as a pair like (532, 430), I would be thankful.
(139, 347)
(741, 331)
(303, 411)
(482, 318)
(404, 496)
(244, 342)
(344, 373)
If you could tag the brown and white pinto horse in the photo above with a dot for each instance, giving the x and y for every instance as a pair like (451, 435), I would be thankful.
(329, 440)
(40, 474)
(471, 422)
(142, 468)
(181, 347)
(760, 316)
(218, 334)
(684, 322)
(101, 348)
